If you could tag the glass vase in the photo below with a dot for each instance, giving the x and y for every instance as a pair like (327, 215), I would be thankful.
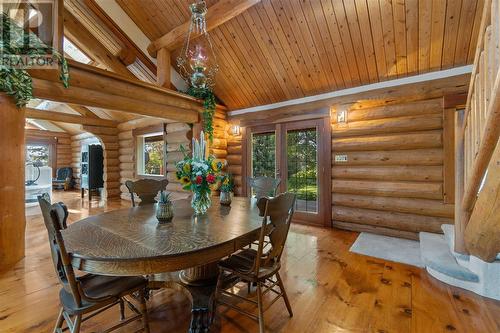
(201, 202)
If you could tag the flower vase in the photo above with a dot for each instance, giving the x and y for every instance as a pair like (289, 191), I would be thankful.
(225, 198)
(201, 202)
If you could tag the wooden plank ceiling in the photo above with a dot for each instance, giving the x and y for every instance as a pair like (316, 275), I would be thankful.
(284, 49)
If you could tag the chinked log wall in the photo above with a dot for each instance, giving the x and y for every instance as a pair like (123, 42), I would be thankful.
(109, 139)
(392, 181)
(177, 135)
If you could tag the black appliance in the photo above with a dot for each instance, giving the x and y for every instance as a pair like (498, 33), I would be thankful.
(92, 169)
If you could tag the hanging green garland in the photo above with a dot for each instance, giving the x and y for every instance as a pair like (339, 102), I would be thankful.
(209, 106)
(14, 44)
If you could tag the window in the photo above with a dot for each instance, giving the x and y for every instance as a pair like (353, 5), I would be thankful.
(302, 162)
(150, 154)
(38, 153)
(263, 155)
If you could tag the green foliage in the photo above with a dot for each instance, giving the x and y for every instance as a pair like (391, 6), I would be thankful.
(209, 106)
(14, 44)
(263, 155)
(154, 159)
(227, 183)
(164, 198)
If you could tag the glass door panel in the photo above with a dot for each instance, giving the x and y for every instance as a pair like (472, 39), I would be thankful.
(299, 154)
(264, 154)
(302, 163)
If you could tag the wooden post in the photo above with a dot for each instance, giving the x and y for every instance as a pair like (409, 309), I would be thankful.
(483, 231)
(163, 71)
(12, 215)
(461, 215)
(449, 155)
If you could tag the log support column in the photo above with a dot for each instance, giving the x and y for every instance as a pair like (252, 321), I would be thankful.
(12, 215)
(164, 68)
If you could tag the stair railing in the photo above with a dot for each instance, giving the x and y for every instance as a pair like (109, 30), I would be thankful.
(478, 128)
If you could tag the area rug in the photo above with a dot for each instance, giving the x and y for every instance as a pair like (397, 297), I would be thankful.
(389, 248)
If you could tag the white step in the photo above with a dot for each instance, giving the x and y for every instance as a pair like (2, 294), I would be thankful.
(449, 234)
(437, 256)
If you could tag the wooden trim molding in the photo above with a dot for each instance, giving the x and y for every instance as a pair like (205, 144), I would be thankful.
(328, 98)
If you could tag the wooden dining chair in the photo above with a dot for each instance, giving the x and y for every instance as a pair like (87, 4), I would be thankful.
(146, 190)
(260, 266)
(264, 186)
(85, 296)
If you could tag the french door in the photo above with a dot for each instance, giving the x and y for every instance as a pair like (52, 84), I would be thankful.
(299, 154)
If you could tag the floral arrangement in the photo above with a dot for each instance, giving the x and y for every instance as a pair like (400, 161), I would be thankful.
(200, 174)
(227, 183)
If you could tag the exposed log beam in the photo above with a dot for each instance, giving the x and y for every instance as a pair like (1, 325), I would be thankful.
(68, 118)
(82, 110)
(218, 14)
(44, 133)
(86, 42)
(94, 87)
(129, 45)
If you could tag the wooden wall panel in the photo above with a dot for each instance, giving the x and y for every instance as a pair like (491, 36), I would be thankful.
(392, 181)
(285, 49)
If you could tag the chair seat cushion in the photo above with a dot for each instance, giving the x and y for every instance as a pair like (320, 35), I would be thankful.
(97, 286)
(102, 288)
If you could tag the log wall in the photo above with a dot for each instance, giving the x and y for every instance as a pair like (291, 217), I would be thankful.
(235, 162)
(392, 181)
(63, 152)
(108, 138)
(177, 135)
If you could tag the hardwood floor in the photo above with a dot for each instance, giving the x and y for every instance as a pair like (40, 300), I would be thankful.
(331, 290)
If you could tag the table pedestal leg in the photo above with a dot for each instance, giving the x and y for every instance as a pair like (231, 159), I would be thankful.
(199, 285)
(200, 282)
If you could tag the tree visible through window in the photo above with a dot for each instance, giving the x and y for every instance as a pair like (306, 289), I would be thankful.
(38, 153)
(302, 147)
(264, 155)
(151, 155)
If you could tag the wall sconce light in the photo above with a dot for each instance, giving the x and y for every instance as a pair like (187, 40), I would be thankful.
(235, 130)
(342, 116)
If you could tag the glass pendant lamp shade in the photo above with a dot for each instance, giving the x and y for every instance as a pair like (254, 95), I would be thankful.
(197, 61)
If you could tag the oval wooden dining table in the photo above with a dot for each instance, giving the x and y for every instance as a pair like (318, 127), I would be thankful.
(181, 254)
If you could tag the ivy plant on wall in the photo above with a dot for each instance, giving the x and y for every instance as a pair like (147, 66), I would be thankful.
(209, 106)
(15, 45)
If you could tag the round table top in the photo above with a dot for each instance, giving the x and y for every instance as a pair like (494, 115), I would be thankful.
(132, 241)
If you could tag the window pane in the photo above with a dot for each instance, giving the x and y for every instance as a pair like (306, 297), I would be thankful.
(38, 153)
(302, 168)
(264, 155)
(153, 155)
